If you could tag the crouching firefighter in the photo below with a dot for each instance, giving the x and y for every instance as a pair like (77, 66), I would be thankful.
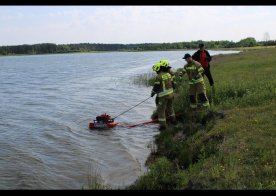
(164, 88)
(194, 71)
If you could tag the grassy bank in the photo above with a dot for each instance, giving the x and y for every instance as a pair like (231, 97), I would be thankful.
(243, 48)
(211, 151)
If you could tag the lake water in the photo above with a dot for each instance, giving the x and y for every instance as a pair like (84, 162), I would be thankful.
(47, 102)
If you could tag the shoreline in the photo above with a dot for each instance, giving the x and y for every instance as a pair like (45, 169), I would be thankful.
(214, 49)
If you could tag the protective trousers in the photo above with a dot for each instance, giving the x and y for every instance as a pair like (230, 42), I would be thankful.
(198, 88)
(165, 103)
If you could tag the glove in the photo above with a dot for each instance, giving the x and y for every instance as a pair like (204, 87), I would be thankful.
(152, 93)
(174, 86)
(197, 77)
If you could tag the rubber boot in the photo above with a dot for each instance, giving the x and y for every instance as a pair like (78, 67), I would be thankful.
(162, 126)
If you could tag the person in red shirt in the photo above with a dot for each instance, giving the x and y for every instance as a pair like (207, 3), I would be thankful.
(204, 58)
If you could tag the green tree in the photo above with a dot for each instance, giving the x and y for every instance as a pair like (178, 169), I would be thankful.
(247, 42)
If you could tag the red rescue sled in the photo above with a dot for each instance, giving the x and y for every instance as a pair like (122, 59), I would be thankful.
(103, 121)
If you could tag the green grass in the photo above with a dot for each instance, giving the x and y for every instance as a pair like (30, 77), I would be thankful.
(245, 79)
(234, 152)
(245, 158)
(146, 79)
(243, 48)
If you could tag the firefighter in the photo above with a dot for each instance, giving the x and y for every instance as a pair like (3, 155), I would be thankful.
(194, 72)
(165, 63)
(164, 88)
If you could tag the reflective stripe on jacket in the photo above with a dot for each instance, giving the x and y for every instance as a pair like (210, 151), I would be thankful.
(194, 71)
(163, 84)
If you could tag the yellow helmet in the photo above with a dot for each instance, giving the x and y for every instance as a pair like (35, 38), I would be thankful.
(156, 67)
(164, 63)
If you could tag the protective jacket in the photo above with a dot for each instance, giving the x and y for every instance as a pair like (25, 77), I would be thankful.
(194, 71)
(163, 85)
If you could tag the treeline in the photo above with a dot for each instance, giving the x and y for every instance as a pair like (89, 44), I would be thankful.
(50, 48)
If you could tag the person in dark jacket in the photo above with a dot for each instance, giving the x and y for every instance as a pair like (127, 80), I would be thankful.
(204, 58)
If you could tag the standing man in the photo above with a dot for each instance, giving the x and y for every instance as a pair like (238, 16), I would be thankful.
(163, 87)
(194, 72)
(204, 58)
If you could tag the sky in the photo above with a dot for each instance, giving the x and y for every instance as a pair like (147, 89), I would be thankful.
(134, 24)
